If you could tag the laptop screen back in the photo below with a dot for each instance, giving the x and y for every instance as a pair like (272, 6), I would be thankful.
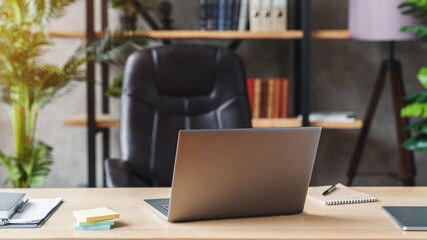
(242, 172)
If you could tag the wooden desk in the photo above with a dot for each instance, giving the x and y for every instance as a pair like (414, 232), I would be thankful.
(358, 221)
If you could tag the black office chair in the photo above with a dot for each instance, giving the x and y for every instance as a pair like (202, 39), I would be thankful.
(167, 89)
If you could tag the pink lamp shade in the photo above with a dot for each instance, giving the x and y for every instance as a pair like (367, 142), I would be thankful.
(379, 20)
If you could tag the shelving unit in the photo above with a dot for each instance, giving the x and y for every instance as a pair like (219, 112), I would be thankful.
(301, 36)
(105, 121)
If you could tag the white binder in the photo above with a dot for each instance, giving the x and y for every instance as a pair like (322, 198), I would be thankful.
(266, 19)
(279, 15)
(255, 15)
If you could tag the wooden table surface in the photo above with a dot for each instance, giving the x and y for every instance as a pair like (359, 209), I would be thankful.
(138, 221)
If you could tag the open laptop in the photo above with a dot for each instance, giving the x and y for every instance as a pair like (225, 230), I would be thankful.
(240, 173)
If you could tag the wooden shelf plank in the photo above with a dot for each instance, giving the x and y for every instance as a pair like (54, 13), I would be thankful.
(107, 121)
(294, 122)
(224, 35)
(330, 34)
(102, 121)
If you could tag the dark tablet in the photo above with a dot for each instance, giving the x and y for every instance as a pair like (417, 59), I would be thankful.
(408, 218)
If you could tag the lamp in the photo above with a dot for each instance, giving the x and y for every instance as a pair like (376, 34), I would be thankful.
(381, 20)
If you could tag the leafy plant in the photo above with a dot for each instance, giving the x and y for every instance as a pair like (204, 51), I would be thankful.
(128, 6)
(416, 104)
(26, 85)
(115, 89)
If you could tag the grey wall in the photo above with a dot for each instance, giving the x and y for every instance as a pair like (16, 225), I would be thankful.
(343, 73)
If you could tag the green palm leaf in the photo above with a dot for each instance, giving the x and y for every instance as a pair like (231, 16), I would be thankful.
(115, 46)
(46, 10)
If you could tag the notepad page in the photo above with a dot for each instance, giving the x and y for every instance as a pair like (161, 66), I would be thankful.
(340, 195)
(96, 214)
(35, 211)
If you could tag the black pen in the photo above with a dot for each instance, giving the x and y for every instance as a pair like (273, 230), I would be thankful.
(330, 189)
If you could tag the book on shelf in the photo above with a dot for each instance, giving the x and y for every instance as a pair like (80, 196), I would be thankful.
(276, 99)
(202, 15)
(243, 15)
(256, 108)
(268, 98)
(250, 87)
(284, 97)
(255, 15)
(266, 22)
(235, 15)
(279, 15)
(333, 117)
(268, 15)
(223, 15)
(264, 97)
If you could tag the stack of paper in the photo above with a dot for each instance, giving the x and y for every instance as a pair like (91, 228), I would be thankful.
(95, 219)
(33, 213)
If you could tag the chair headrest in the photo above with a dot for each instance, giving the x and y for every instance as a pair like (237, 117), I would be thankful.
(185, 70)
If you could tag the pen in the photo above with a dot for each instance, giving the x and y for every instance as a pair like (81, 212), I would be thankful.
(22, 207)
(330, 189)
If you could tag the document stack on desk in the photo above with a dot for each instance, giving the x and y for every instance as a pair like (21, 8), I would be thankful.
(15, 212)
(95, 219)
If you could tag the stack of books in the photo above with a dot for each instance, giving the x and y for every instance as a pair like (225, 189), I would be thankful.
(268, 98)
(9, 205)
(95, 219)
(268, 15)
(223, 15)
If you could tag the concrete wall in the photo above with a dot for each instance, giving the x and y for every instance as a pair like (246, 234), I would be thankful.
(343, 73)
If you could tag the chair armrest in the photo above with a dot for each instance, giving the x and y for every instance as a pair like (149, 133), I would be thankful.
(116, 173)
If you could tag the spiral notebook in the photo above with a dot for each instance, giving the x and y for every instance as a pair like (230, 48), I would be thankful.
(340, 195)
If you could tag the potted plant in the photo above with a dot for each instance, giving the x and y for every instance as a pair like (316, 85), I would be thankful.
(129, 9)
(26, 85)
(416, 104)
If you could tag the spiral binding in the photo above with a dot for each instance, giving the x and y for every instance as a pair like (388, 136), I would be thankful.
(351, 201)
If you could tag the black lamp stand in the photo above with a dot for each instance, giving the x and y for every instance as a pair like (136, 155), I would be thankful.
(407, 165)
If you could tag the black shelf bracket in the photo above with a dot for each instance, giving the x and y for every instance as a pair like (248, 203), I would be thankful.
(90, 95)
(305, 61)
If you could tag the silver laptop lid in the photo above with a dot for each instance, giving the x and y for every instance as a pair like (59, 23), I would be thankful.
(242, 172)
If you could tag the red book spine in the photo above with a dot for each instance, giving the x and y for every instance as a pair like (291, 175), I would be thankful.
(264, 97)
(250, 86)
(276, 104)
(284, 98)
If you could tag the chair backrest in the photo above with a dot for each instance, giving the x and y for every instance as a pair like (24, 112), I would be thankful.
(169, 88)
